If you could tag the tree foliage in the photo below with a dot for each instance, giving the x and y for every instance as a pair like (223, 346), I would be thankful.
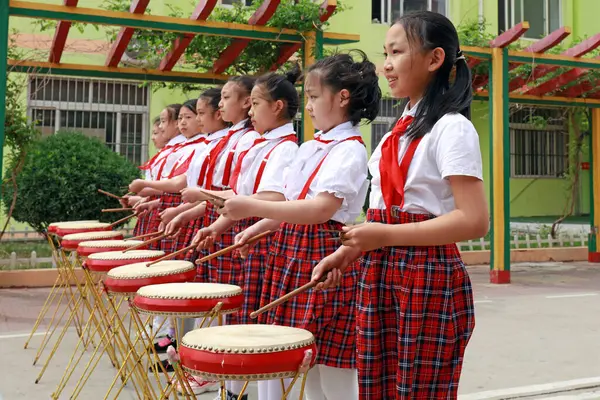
(60, 177)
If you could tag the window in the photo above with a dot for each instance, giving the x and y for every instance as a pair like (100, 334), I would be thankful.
(387, 11)
(229, 3)
(389, 110)
(538, 151)
(114, 112)
(543, 16)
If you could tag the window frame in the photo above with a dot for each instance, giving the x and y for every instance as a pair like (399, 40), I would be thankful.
(509, 20)
(386, 5)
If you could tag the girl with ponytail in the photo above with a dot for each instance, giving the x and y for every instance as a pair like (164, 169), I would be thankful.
(324, 188)
(415, 310)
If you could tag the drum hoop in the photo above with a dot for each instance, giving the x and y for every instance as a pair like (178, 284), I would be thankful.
(251, 377)
(100, 234)
(231, 350)
(102, 243)
(186, 314)
(129, 256)
(180, 270)
(193, 297)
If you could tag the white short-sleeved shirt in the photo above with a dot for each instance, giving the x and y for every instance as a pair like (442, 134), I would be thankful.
(193, 172)
(182, 152)
(343, 173)
(451, 148)
(281, 154)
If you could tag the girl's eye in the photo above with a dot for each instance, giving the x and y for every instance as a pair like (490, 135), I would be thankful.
(385, 54)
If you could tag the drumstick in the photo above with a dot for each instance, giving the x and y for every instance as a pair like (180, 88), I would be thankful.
(116, 209)
(216, 200)
(147, 242)
(109, 194)
(233, 247)
(147, 235)
(122, 220)
(286, 297)
(169, 256)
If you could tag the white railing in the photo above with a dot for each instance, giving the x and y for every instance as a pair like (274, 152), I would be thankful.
(529, 241)
(29, 234)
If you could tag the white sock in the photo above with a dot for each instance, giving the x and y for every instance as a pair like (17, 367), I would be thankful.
(271, 390)
(329, 383)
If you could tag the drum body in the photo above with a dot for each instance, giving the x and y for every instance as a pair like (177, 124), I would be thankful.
(104, 262)
(128, 279)
(188, 300)
(71, 242)
(247, 352)
(84, 249)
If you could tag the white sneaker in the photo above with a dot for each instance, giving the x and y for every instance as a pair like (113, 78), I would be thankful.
(199, 385)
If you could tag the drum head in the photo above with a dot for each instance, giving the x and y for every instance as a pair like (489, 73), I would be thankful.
(86, 248)
(80, 227)
(130, 278)
(105, 261)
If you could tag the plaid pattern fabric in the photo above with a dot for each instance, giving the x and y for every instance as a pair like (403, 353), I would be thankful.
(167, 245)
(226, 268)
(147, 223)
(415, 318)
(253, 272)
(330, 314)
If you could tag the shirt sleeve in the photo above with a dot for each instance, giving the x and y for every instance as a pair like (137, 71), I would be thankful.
(343, 172)
(457, 148)
(275, 173)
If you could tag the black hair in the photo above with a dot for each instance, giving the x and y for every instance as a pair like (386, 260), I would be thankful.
(156, 121)
(340, 72)
(430, 30)
(281, 87)
(245, 83)
(173, 111)
(191, 105)
(213, 97)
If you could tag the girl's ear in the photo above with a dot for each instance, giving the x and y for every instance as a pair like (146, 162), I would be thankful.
(247, 102)
(438, 55)
(278, 107)
(218, 114)
(344, 97)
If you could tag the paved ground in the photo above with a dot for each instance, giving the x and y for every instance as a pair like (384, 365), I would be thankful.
(536, 338)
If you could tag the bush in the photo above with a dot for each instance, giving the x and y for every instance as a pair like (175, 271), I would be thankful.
(60, 179)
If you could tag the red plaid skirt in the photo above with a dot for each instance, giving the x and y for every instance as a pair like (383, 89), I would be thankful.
(168, 245)
(253, 271)
(147, 223)
(415, 318)
(226, 268)
(331, 314)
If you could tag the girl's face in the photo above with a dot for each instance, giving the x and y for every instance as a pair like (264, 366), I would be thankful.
(157, 137)
(187, 123)
(209, 119)
(264, 112)
(169, 128)
(408, 68)
(234, 104)
(326, 108)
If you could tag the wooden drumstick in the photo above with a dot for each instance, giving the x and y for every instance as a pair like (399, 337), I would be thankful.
(116, 209)
(109, 194)
(121, 220)
(171, 255)
(147, 242)
(147, 235)
(286, 297)
(216, 200)
(232, 247)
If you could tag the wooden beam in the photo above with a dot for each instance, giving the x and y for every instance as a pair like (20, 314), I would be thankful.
(233, 51)
(577, 51)
(557, 82)
(562, 101)
(577, 90)
(201, 13)
(288, 50)
(308, 129)
(594, 255)
(60, 35)
(119, 46)
(541, 46)
(505, 38)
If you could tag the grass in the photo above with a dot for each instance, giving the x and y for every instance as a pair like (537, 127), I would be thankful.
(24, 249)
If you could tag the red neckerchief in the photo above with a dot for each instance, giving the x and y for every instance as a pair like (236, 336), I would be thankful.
(183, 167)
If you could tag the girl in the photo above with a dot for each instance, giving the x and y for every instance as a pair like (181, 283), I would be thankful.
(325, 188)
(415, 306)
(262, 163)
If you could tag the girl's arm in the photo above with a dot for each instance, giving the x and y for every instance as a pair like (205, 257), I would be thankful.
(269, 196)
(173, 185)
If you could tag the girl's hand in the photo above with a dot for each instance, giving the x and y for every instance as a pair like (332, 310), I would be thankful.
(168, 214)
(241, 239)
(133, 200)
(192, 195)
(238, 207)
(137, 185)
(148, 192)
(205, 238)
(173, 228)
(366, 236)
(333, 267)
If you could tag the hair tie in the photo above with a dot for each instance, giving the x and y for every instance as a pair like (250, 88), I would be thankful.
(459, 56)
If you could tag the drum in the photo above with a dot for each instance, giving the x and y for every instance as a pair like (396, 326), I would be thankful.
(128, 279)
(70, 242)
(247, 352)
(80, 227)
(188, 300)
(52, 227)
(86, 248)
(104, 262)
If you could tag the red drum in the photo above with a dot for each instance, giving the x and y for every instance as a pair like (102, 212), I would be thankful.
(247, 352)
(104, 262)
(70, 242)
(128, 279)
(54, 225)
(188, 300)
(68, 229)
(84, 249)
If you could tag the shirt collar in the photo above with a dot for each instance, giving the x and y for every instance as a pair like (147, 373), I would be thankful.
(239, 125)
(196, 137)
(411, 111)
(283, 130)
(218, 134)
(340, 132)
(176, 140)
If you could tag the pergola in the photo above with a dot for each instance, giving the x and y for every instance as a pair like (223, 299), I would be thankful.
(567, 89)
(242, 34)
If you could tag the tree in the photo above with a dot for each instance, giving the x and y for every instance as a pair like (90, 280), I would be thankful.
(60, 176)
